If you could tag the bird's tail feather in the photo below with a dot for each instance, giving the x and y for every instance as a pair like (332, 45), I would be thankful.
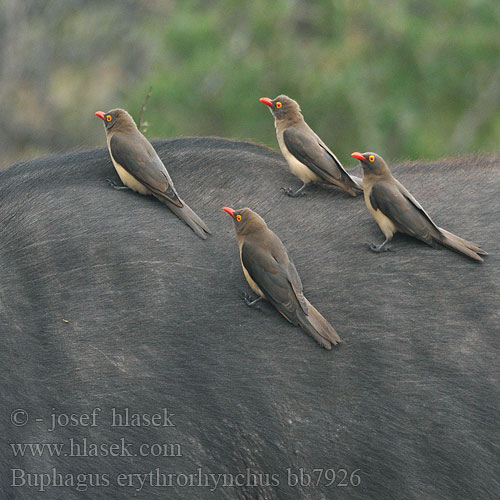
(460, 245)
(318, 327)
(186, 214)
(358, 181)
(469, 244)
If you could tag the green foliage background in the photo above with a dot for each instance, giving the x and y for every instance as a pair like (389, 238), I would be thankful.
(406, 78)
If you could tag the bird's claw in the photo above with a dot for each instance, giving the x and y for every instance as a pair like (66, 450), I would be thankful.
(249, 301)
(293, 194)
(378, 248)
(114, 185)
(246, 297)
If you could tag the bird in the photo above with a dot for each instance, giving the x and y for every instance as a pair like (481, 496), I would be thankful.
(395, 209)
(308, 157)
(271, 274)
(140, 168)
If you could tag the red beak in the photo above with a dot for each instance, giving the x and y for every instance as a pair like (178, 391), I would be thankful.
(100, 114)
(358, 156)
(266, 101)
(229, 211)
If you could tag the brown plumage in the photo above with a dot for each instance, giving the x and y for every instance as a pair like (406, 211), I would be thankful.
(271, 274)
(395, 209)
(308, 157)
(141, 169)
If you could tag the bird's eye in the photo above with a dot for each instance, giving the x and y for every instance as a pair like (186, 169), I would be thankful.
(108, 118)
(278, 105)
(371, 158)
(238, 218)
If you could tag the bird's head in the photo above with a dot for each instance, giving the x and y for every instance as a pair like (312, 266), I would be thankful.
(282, 107)
(115, 119)
(372, 163)
(245, 220)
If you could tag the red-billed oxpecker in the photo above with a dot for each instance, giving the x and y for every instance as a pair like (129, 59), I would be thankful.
(395, 209)
(141, 169)
(271, 274)
(308, 157)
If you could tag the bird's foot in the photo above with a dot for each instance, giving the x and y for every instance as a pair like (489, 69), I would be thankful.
(379, 248)
(116, 186)
(293, 194)
(249, 301)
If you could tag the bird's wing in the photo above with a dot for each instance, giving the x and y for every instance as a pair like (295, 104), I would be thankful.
(415, 202)
(140, 160)
(276, 276)
(313, 153)
(398, 204)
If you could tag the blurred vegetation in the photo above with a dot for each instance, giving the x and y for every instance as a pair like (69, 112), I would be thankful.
(405, 78)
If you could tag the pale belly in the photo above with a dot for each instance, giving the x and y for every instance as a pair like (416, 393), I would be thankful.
(250, 281)
(130, 181)
(127, 179)
(304, 173)
(385, 224)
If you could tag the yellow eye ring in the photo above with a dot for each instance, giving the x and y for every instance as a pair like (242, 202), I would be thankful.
(371, 158)
(238, 218)
(278, 105)
(108, 118)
